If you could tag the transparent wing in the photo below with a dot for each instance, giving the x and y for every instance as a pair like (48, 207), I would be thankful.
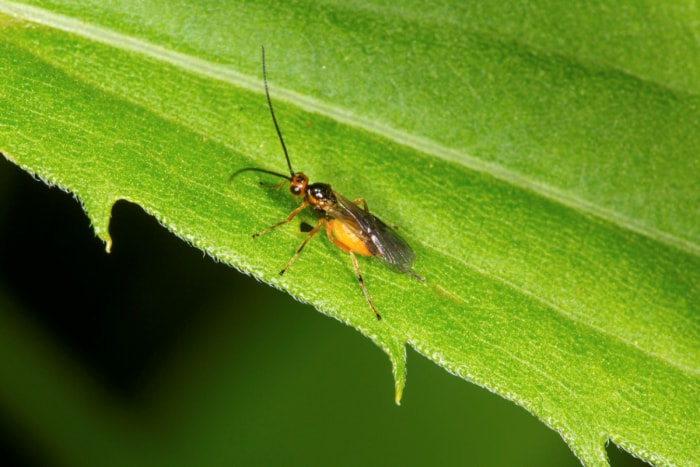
(380, 239)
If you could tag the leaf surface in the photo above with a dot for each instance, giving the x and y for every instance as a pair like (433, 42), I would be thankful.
(542, 163)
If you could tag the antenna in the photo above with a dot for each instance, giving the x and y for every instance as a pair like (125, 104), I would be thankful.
(272, 112)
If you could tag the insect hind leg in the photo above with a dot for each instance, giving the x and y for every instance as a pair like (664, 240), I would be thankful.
(362, 285)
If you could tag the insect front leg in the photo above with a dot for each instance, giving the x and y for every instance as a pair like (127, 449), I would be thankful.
(274, 186)
(303, 244)
(289, 219)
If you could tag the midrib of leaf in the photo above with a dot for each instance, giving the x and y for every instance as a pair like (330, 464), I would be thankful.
(673, 229)
(208, 69)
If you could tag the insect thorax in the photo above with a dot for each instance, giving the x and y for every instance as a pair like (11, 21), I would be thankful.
(320, 198)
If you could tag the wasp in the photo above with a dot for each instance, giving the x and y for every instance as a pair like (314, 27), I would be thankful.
(348, 226)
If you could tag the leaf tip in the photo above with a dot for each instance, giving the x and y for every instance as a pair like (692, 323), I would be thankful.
(397, 355)
(398, 395)
(100, 215)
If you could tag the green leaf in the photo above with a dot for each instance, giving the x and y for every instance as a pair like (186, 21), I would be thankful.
(540, 158)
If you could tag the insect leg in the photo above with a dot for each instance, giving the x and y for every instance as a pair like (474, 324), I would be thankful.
(303, 244)
(275, 186)
(361, 201)
(289, 218)
(362, 286)
(344, 247)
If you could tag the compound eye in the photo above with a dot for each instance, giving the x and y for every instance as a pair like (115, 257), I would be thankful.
(297, 185)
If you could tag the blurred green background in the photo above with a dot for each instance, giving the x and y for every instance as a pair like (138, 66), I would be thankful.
(156, 355)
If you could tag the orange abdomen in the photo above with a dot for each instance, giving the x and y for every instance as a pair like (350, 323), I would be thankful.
(346, 239)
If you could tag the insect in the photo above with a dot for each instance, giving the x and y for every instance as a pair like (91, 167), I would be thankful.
(350, 227)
